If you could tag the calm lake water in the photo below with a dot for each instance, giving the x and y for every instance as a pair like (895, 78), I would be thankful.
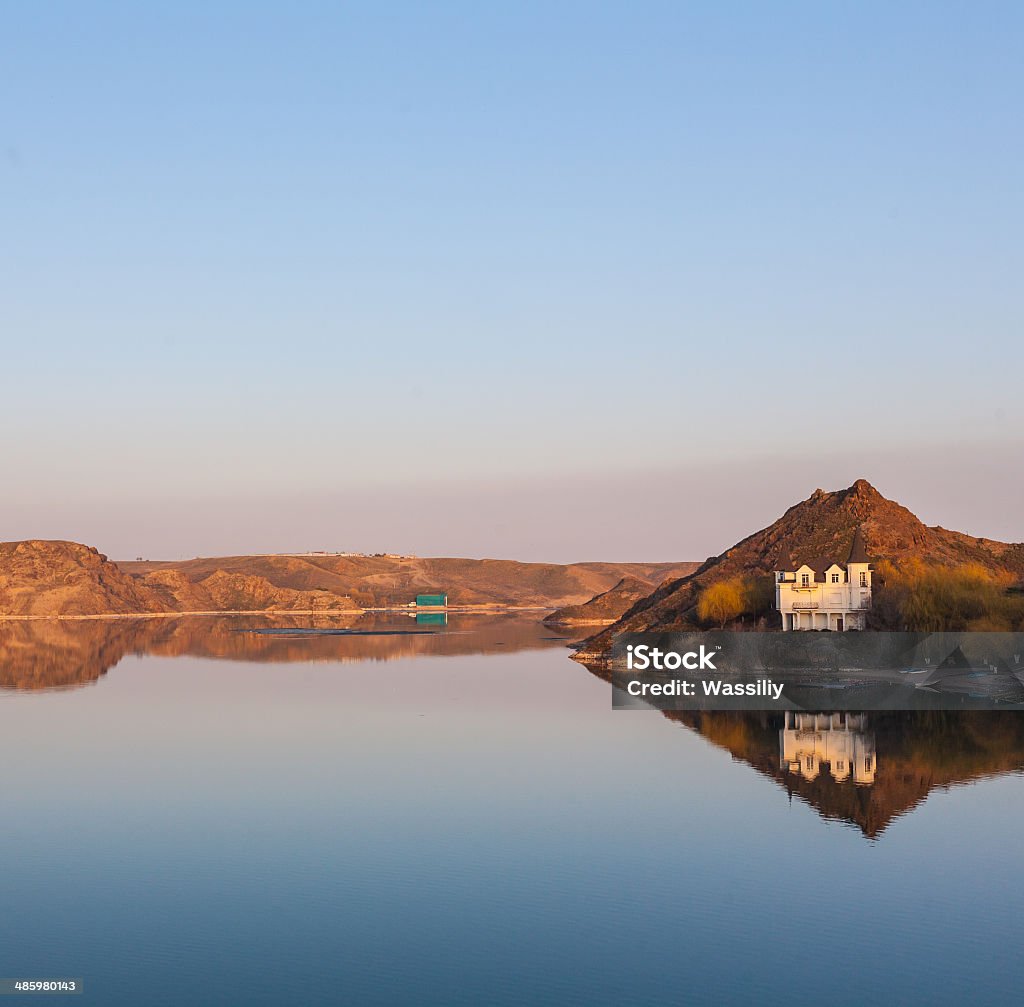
(194, 814)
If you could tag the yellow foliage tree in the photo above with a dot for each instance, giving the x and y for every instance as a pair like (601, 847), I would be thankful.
(723, 601)
(923, 597)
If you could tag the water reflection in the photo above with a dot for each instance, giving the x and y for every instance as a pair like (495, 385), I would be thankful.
(864, 770)
(867, 770)
(838, 742)
(65, 654)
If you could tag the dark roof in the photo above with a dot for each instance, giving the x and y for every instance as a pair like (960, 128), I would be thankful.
(858, 551)
(820, 564)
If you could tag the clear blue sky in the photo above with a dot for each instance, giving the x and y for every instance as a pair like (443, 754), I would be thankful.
(275, 275)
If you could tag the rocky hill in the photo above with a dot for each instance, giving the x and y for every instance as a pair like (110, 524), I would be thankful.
(607, 607)
(823, 525)
(222, 591)
(64, 578)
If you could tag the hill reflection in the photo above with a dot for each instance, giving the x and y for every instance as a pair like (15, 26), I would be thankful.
(65, 654)
(863, 769)
(867, 769)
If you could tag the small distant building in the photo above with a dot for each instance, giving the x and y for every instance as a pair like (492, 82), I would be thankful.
(824, 594)
(439, 600)
(840, 741)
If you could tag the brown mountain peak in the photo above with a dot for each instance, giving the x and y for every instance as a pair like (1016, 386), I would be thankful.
(863, 488)
(862, 494)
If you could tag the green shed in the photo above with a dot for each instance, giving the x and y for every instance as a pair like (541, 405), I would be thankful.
(431, 600)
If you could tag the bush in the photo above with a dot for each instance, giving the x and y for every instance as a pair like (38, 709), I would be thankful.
(927, 599)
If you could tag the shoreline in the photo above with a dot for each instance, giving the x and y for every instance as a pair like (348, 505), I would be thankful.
(278, 613)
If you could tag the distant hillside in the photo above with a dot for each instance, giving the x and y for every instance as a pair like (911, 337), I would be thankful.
(39, 578)
(222, 591)
(376, 581)
(608, 606)
(823, 525)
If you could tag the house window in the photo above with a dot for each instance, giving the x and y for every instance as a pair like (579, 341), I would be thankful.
(835, 578)
(867, 765)
(863, 579)
(782, 578)
(805, 579)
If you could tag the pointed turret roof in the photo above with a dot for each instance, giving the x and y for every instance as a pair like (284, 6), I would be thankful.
(858, 551)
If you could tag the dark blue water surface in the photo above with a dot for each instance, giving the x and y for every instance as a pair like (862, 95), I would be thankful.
(455, 827)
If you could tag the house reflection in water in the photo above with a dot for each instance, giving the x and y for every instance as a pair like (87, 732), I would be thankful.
(839, 740)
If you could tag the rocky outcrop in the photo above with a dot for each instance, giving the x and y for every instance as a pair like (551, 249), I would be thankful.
(46, 578)
(238, 592)
(604, 608)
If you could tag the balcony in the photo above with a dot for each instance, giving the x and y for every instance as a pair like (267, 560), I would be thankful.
(805, 604)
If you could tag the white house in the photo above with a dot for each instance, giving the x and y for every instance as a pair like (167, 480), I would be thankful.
(823, 594)
(840, 741)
